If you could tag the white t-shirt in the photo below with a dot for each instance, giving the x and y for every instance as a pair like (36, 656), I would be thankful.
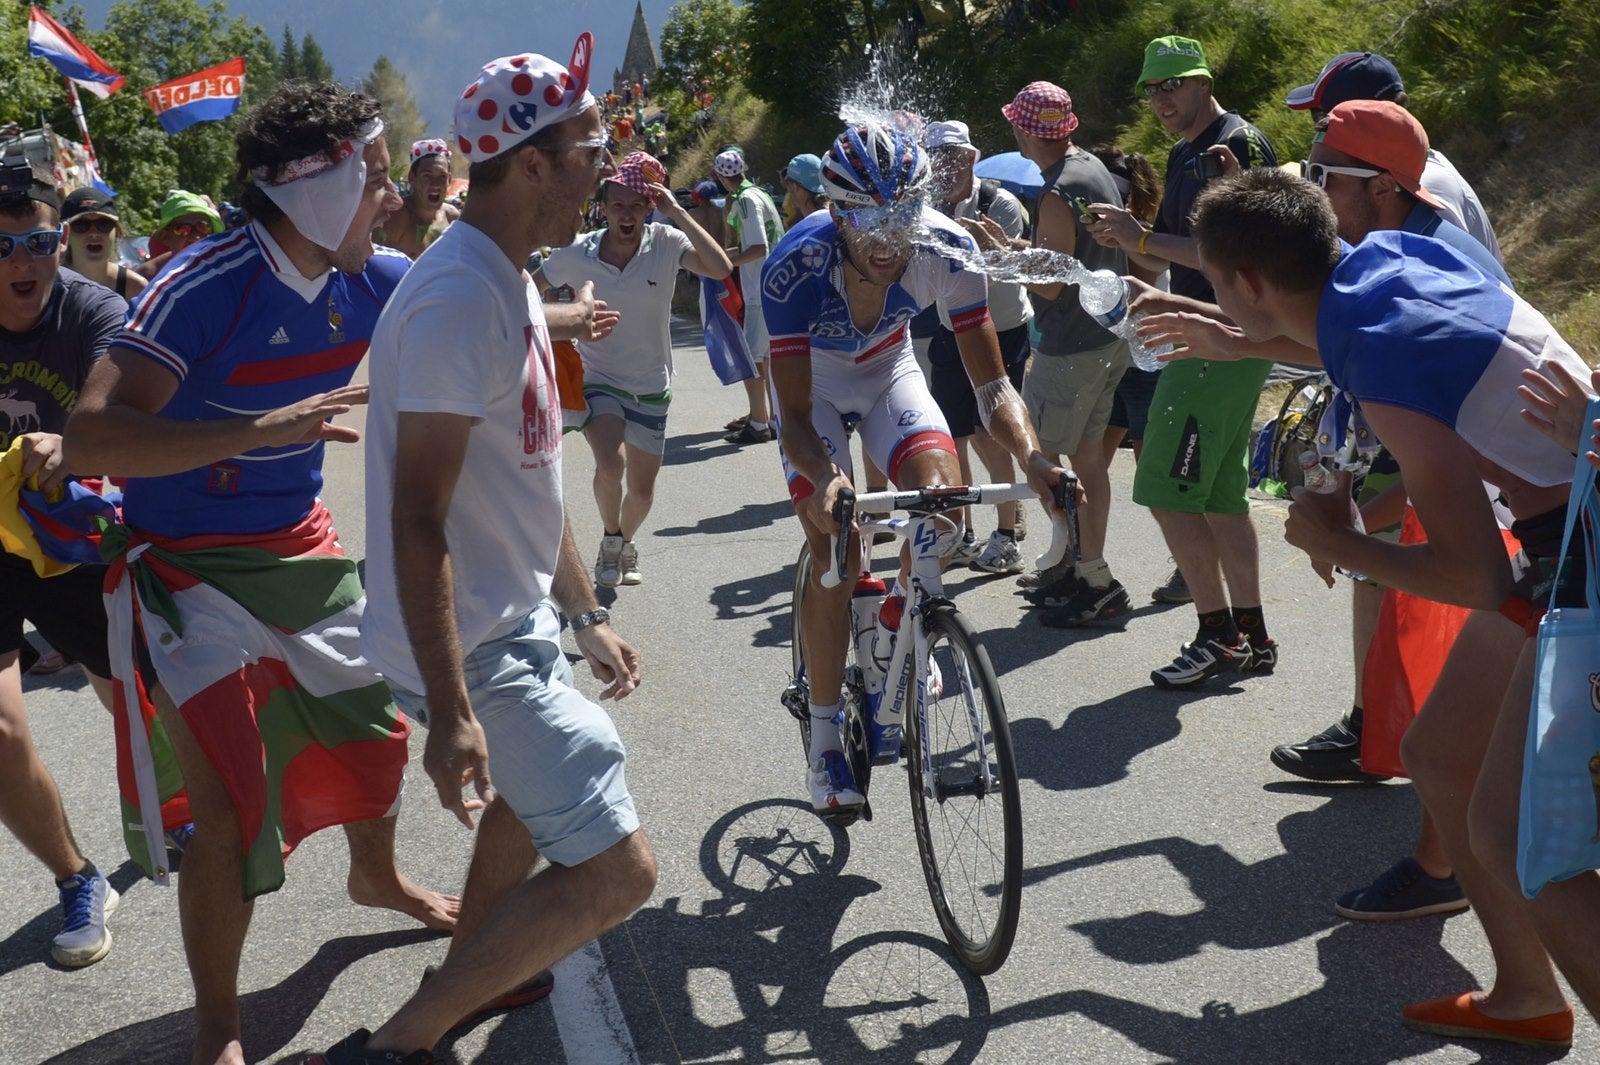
(1462, 205)
(756, 220)
(637, 356)
(464, 333)
(1009, 306)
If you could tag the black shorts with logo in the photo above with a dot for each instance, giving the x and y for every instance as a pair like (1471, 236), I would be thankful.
(67, 610)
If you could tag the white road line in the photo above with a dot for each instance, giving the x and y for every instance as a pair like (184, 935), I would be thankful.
(588, 1015)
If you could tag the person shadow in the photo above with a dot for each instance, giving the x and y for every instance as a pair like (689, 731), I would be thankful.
(272, 1016)
(31, 942)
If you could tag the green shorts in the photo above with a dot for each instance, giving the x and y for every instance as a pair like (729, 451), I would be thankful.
(1197, 443)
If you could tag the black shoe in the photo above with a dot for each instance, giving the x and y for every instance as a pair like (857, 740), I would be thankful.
(1176, 590)
(1058, 592)
(1263, 656)
(1197, 661)
(1090, 606)
(747, 435)
(1403, 890)
(352, 1050)
(1331, 756)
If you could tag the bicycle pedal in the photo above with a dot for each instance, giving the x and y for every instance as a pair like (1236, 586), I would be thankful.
(842, 818)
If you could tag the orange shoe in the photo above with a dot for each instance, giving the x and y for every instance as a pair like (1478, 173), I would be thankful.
(1456, 1015)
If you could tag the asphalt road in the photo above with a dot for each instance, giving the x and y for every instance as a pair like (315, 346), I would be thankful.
(1178, 892)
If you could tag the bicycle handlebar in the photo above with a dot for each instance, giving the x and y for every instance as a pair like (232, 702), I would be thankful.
(1063, 523)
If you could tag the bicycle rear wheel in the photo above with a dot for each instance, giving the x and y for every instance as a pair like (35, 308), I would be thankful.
(796, 698)
(965, 801)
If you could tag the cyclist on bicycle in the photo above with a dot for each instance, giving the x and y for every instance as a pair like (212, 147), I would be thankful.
(837, 292)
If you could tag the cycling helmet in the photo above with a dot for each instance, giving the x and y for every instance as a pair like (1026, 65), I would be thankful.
(874, 166)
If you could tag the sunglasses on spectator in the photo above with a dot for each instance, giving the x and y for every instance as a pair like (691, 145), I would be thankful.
(190, 229)
(84, 226)
(900, 216)
(1150, 89)
(1318, 172)
(41, 243)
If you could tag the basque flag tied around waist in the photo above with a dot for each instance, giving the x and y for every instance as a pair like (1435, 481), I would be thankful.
(204, 96)
(53, 42)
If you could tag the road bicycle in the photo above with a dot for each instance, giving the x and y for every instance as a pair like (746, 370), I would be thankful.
(940, 685)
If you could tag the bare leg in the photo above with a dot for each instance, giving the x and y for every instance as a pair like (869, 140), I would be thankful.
(997, 461)
(1366, 600)
(1194, 548)
(538, 922)
(1444, 751)
(1092, 463)
(1235, 538)
(211, 908)
(30, 805)
(604, 434)
(755, 388)
(502, 858)
(375, 881)
(643, 467)
(1567, 913)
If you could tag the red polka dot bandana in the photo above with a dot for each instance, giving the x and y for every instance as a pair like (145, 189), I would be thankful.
(517, 96)
(1042, 110)
(420, 150)
(638, 171)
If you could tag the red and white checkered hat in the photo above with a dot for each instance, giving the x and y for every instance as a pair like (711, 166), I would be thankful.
(1042, 109)
(638, 171)
(517, 96)
(420, 150)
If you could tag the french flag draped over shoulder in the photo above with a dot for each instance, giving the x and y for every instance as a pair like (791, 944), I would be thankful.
(54, 43)
(205, 96)
(721, 313)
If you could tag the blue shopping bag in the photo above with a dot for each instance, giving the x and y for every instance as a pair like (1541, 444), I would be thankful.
(1558, 824)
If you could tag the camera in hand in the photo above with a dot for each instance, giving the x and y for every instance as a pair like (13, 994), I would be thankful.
(1203, 167)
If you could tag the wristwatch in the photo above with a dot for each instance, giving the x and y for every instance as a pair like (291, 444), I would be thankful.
(593, 617)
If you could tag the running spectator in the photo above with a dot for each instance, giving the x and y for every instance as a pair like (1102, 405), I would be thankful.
(185, 219)
(423, 214)
(93, 230)
(471, 560)
(1075, 371)
(1192, 474)
(227, 542)
(1424, 341)
(755, 224)
(957, 194)
(802, 188)
(627, 375)
(54, 325)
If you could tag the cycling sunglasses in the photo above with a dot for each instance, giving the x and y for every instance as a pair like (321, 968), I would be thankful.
(1318, 172)
(900, 216)
(40, 243)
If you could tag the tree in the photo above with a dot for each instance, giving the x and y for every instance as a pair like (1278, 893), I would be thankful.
(700, 39)
(402, 121)
(797, 51)
(288, 57)
(314, 66)
(29, 87)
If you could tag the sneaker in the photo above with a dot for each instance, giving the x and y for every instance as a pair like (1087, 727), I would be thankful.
(967, 550)
(628, 563)
(1058, 592)
(1090, 606)
(1403, 890)
(1332, 755)
(86, 902)
(747, 435)
(1197, 661)
(1263, 658)
(832, 785)
(1176, 590)
(178, 838)
(608, 567)
(1000, 555)
(1039, 578)
(352, 1050)
(535, 990)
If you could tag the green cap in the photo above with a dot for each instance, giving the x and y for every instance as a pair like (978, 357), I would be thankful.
(1173, 57)
(180, 203)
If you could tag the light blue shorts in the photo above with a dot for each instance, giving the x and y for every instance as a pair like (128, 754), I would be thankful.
(644, 418)
(554, 756)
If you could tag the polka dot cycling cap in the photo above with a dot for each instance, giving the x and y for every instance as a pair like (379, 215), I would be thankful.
(1042, 110)
(420, 150)
(517, 96)
(729, 163)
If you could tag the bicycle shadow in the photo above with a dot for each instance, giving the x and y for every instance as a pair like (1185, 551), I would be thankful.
(30, 943)
(763, 952)
(272, 1017)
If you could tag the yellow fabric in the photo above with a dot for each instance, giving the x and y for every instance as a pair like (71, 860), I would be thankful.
(16, 535)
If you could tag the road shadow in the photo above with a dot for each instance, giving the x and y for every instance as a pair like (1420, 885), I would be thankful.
(30, 944)
(696, 447)
(766, 944)
(767, 596)
(272, 1016)
(747, 518)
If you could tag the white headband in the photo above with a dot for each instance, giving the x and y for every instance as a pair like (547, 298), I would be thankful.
(321, 193)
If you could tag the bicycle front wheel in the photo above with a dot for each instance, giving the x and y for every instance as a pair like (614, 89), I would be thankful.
(965, 801)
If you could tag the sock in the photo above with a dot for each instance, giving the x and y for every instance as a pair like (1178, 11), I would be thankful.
(614, 532)
(759, 427)
(1009, 534)
(1095, 573)
(88, 872)
(1250, 623)
(1218, 625)
(824, 733)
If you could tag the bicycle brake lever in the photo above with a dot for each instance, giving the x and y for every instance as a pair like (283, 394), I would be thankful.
(839, 543)
(1064, 530)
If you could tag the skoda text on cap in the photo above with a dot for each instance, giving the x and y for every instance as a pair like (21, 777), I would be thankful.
(1043, 110)
(1384, 134)
(1351, 76)
(1173, 57)
(517, 96)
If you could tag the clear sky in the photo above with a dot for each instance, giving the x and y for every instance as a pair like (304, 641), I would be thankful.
(440, 46)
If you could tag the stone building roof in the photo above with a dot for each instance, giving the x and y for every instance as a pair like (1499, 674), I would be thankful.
(640, 58)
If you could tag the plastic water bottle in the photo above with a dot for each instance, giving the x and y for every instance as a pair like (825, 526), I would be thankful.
(1318, 478)
(865, 602)
(1104, 296)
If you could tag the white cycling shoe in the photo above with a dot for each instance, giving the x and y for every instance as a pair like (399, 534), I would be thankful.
(832, 785)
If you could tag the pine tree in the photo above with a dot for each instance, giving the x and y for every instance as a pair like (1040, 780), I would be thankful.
(314, 66)
(288, 57)
(402, 121)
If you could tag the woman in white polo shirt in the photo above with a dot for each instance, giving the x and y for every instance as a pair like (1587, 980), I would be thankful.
(627, 375)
